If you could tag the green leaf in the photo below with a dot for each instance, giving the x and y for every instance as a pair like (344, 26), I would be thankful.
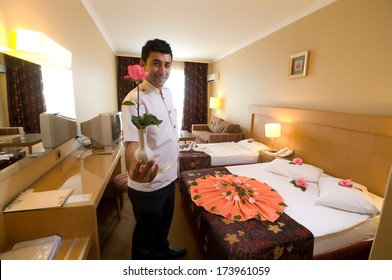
(241, 192)
(196, 197)
(145, 120)
(128, 103)
(237, 217)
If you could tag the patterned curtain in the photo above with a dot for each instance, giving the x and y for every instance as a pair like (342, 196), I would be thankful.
(195, 99)
(124, 86)
(26, 100)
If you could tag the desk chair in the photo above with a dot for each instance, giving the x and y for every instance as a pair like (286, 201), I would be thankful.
(119, 186)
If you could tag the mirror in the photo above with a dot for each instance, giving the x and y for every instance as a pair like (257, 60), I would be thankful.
(58, 99)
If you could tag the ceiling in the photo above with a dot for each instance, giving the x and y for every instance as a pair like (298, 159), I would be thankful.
(197, 30)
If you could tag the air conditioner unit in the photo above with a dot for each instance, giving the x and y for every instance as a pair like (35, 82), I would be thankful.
(213, 77)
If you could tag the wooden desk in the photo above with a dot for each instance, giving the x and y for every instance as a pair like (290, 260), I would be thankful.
(87, 174)
(28, 140)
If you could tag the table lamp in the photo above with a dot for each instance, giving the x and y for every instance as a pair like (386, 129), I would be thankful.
(272, 130)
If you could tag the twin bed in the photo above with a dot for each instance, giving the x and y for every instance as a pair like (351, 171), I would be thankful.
(196, 156)
(323, 220)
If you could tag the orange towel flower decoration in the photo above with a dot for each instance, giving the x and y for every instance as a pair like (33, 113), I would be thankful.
(237, 197)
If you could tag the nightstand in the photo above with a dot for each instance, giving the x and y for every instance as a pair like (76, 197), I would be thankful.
(266, 156)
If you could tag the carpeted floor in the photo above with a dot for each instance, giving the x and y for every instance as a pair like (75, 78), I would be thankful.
(116, 235)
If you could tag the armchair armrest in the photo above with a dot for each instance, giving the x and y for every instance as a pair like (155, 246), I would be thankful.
(200, 127)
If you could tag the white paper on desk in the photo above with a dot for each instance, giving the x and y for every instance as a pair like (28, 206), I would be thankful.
(79, 198)
(30, 200)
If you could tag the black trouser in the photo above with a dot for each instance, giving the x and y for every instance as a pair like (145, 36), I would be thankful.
(153, 213)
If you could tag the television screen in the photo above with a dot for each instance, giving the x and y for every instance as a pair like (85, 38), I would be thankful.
(104, 130)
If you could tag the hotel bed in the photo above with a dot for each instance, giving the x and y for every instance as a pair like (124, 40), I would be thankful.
(317, 223)
(196, 156)
(329, 228)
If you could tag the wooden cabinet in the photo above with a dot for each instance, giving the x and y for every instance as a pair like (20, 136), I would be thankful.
(266, 156)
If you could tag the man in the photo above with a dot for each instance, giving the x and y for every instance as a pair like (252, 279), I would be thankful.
(152, 186)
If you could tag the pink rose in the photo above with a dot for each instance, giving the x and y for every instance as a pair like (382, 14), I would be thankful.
(297, 161)
(250, 140)
(136, 73)
(346, 183)
(301, 182)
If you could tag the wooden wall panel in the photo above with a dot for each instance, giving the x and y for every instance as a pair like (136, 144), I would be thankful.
(343, 145)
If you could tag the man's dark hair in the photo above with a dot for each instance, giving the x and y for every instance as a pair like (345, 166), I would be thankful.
(156, 45)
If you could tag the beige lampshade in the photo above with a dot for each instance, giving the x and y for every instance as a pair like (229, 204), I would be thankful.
(215, 102)
(272, 130)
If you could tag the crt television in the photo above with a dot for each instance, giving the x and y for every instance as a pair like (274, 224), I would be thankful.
(56, 129)
(104, 130)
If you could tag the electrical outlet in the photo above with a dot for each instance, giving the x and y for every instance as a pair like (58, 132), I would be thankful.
(58, 154)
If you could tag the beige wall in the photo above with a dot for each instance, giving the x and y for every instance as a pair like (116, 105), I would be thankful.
(69, 24)
(350, 47)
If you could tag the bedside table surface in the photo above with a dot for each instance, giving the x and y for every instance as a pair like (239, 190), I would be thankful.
(267, 156)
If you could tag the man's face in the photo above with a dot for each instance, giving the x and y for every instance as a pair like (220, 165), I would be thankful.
(158, 68)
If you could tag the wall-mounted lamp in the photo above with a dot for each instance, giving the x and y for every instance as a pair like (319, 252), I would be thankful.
(38, 48)
(272, 130)
(215, 102)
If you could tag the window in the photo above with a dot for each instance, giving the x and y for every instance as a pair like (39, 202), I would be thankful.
(176, 84)
(58, 90)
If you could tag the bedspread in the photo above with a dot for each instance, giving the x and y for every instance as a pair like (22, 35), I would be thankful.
(222, 238)
(194, 160)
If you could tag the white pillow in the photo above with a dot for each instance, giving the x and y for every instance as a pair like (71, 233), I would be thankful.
(252, 145)
(285, 168)
(354, 199)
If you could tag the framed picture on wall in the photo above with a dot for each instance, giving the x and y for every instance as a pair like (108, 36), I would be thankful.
(298, 66)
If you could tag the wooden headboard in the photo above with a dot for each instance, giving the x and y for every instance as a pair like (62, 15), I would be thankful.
(344, 145)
